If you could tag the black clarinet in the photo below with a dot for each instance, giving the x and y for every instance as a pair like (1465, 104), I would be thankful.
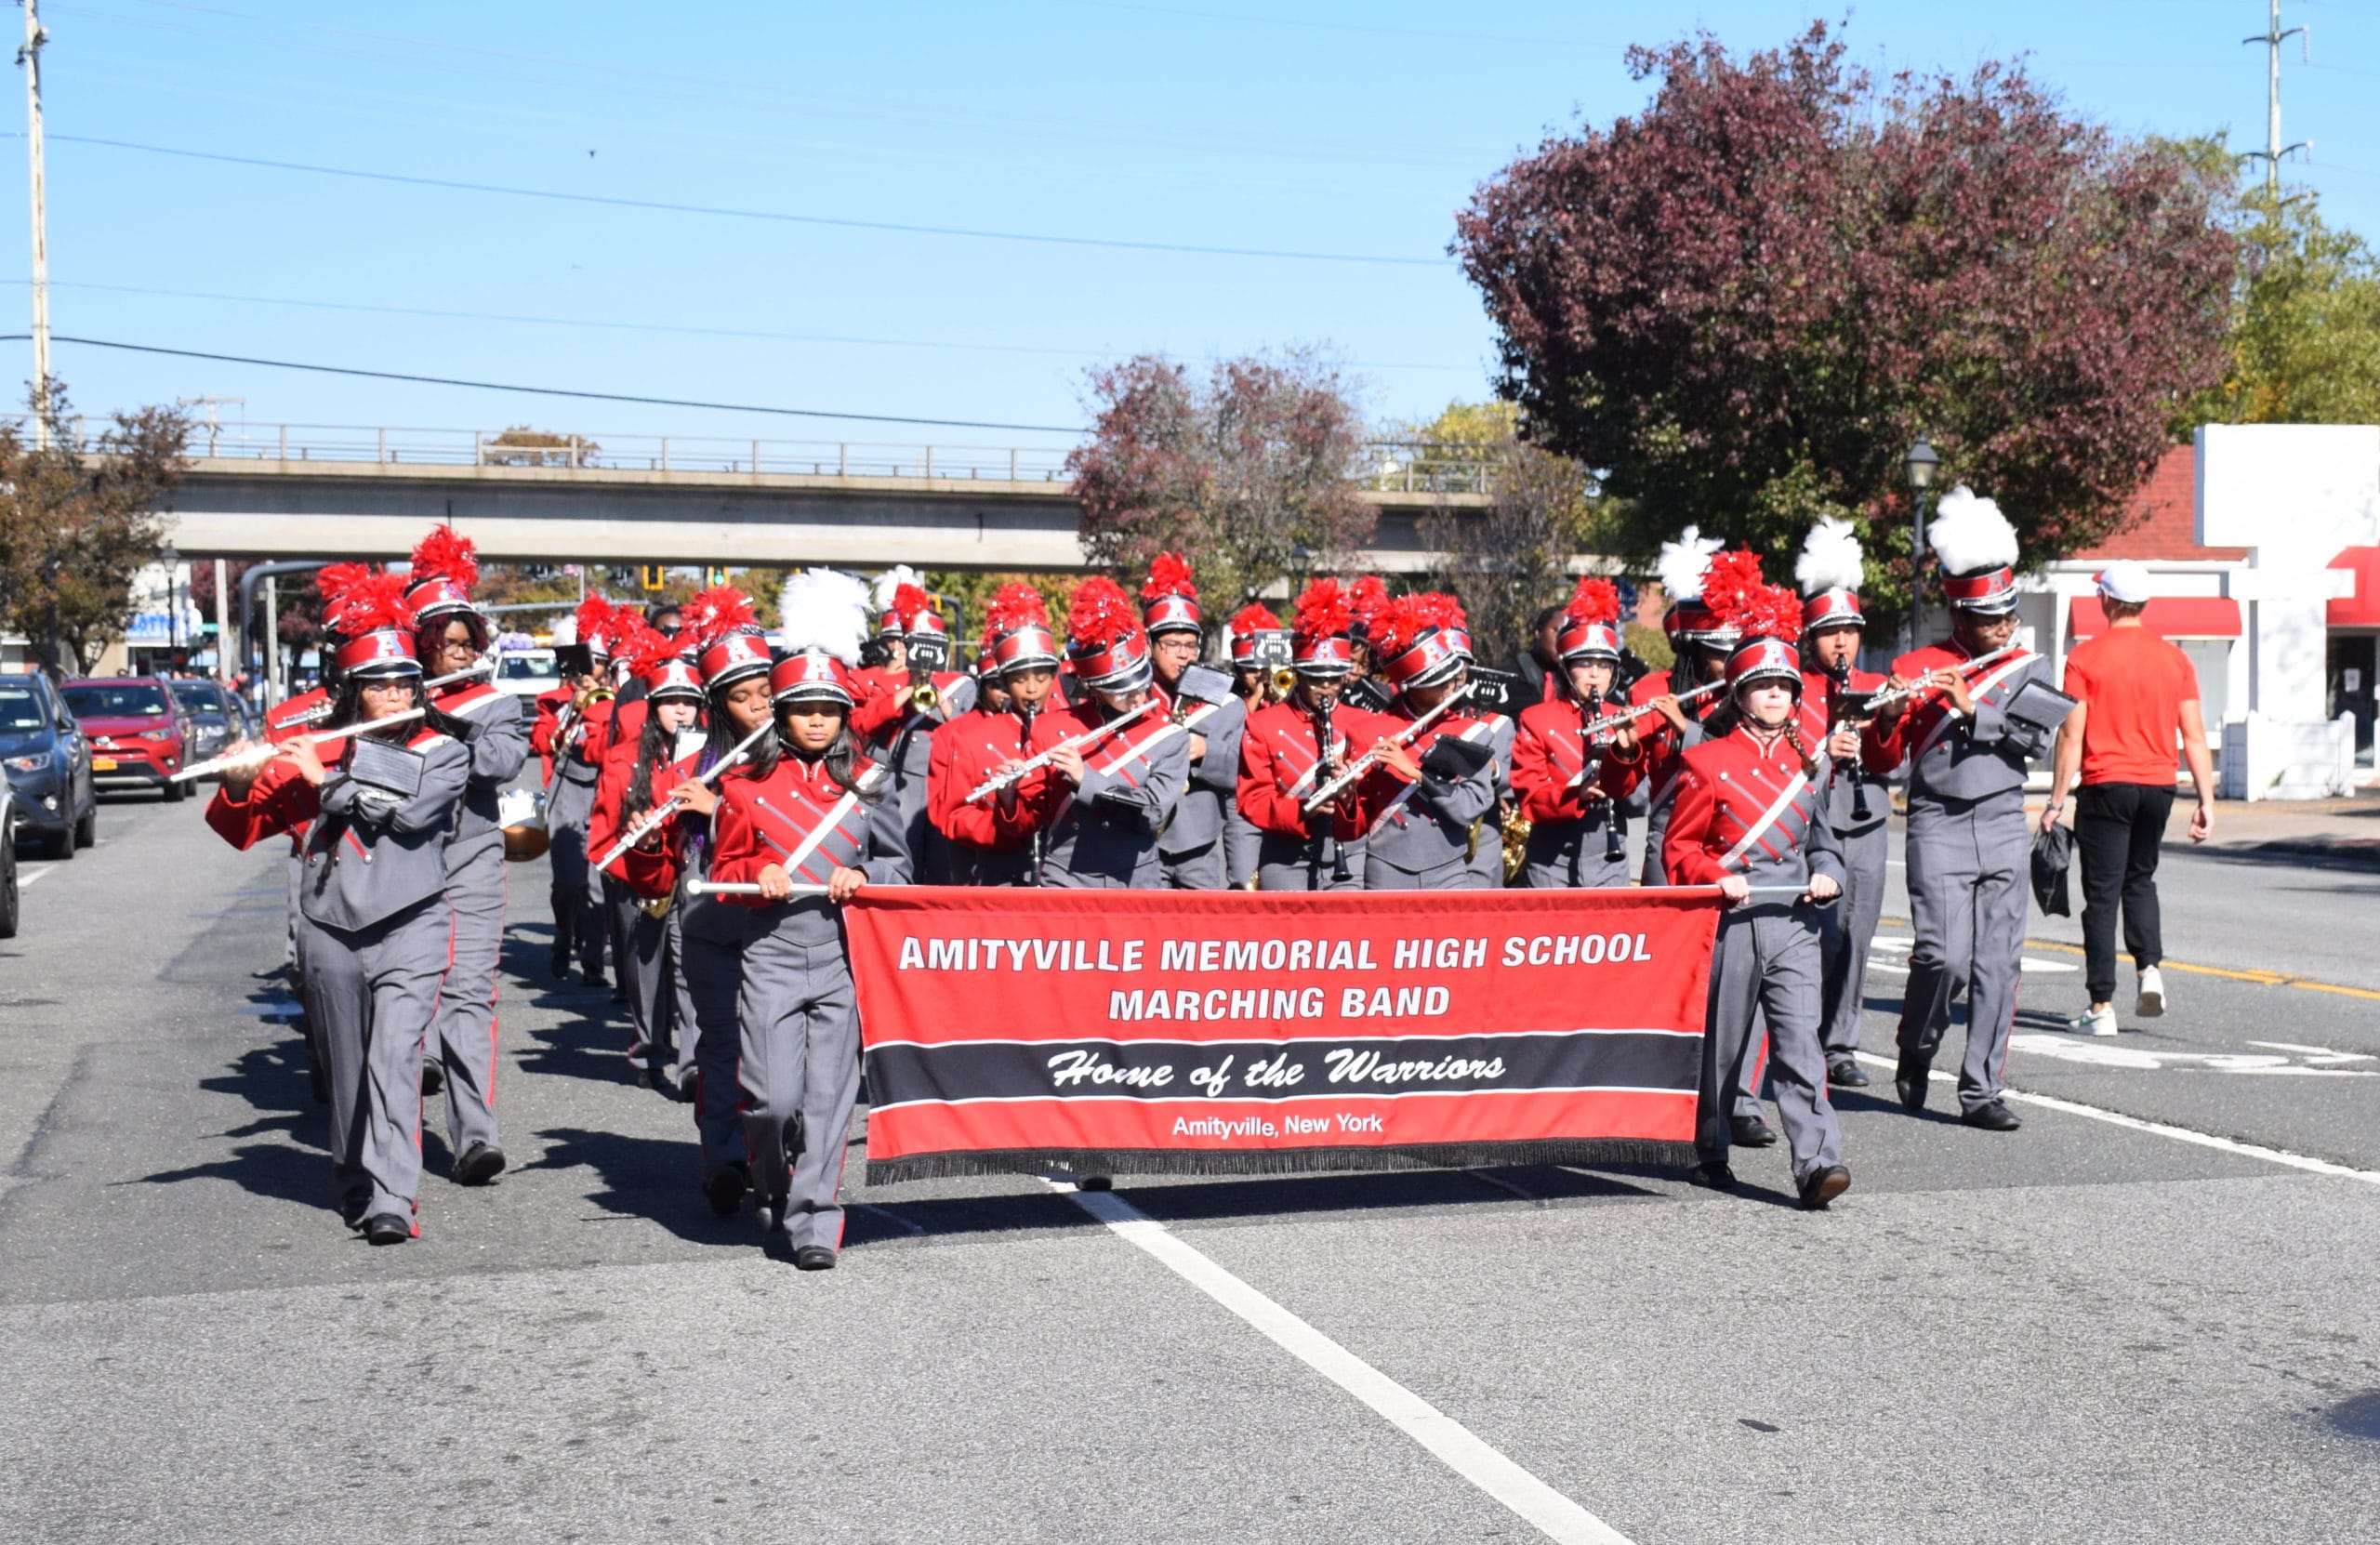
(1592, 748)
(1841, 676)
(1326, 767)
(1025, 712)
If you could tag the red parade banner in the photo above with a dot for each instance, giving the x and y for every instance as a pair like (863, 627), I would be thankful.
(1112, 1032)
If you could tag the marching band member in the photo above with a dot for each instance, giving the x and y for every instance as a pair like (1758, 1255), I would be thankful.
(896, 727)
(1119, 787)
(1485, 846)
(1295, 747)
(636, 778)
(1830, 568)
(1254, 691)
(711, 932)
(1191, 847)
(1750, 811)
(1700, 643)
(1968, 852)
(451, 635)
(1366, 605)
(809, 812)
(1002, 838)
(570, 739)
(1571, 782)
(376, 923)
(1426, 796)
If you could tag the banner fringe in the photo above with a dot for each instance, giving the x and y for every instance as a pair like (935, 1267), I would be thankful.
(1585, 1152)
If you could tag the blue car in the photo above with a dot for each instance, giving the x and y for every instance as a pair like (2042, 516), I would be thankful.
(48, 764)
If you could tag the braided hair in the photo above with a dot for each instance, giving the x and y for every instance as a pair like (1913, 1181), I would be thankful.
(655, 748)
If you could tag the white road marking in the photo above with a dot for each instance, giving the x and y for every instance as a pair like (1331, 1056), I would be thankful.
(1462, 1450)
(29, 878)
(2106, 1052)
(2179, 1134)
(2319, 1055)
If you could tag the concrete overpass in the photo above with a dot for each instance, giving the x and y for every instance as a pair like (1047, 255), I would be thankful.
(299, 490)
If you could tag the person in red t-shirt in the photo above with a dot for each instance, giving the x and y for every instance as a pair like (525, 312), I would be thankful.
(2135, 697)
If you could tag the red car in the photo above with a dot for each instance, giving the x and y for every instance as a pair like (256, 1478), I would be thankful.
(139, 737)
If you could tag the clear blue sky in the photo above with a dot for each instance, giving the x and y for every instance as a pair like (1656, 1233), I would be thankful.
(1332, 127)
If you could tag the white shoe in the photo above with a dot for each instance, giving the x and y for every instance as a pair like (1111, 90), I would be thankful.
(2095, 1022)
(2152, 1002)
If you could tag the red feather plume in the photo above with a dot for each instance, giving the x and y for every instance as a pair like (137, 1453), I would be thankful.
(713, 614)
(1367, 600)
(1169, 575)
(645, 647)
(909, 603)
(1253, 619)
(1757, 611)
(1729, 584)
(446, 553)
(598, 621)
(1595, 601)
(1015, 605)
(1101, 612)
(1399, 624)
(333, 580)
(372, 603)
(1322, 610)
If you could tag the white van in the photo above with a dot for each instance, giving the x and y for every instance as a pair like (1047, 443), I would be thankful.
(527, 672)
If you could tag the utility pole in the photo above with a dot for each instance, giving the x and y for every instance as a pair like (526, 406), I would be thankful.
(2272, 37)
(30, 57)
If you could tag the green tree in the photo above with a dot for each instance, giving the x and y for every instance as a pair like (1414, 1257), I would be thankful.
(1514, 557)
(78, 524)
(2304, 338)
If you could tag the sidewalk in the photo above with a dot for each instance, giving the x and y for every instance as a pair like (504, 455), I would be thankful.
(2339, 831)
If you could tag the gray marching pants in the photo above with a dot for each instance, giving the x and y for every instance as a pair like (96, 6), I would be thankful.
(645, 974)
(579, 921)
(619, 911)
(371, 992)
(713, 974)
(465, 1041)
(1200, 869)
(801, 1073)
(1240, 841)
(1766, 960)
(1845, 931)
(1969, 866)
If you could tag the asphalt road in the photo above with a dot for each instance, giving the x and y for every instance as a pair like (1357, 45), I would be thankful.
(2087, 1329)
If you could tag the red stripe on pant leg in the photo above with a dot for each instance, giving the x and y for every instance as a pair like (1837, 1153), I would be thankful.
(1760, 1059)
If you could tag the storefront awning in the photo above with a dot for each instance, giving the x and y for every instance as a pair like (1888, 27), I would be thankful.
(2168, 616)
(2361, 609)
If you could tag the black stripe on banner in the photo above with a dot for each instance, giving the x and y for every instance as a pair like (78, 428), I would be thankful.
(1318, 1067)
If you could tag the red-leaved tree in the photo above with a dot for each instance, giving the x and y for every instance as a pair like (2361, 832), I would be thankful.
(1743, 304)
(1237, 472)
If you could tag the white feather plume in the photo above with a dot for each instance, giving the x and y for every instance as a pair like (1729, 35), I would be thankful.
(892, 579)
(1684, 562)
(1830, 558)
(825, 609)
(565, 630)
(1970, 533)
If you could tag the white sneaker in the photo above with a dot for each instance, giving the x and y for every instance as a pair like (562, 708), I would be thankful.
(2095, 1022)
(2152, 1002)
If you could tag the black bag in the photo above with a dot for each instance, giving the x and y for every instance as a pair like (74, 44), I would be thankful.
(2053, 854)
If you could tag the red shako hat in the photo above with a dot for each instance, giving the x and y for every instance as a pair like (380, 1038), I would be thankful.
(1018, 631)
(1686, 568)
(1977, 549)
(1590, 622)
(1169, 602)
(445, 566)
(1104, 641)
(810, 676)
(1765, 618)
(1830, 571)
(732, 656)
(1318, 631)
(1246, 624)
(1414, 639)
(673, 679)
(378, 626)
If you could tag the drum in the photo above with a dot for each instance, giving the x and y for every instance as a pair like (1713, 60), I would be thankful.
(521, 811)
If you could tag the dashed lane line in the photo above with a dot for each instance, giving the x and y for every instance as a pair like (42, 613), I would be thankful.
(2161, 1128)
(1457, 1446)
(2257, 978)
(28, 878)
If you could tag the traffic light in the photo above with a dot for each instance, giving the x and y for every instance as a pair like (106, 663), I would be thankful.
(652, 576)
(715, 577)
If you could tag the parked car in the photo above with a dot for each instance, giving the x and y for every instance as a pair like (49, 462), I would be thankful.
(48, 765)
(8, 862)
(215, 715)
(139, 737)
(527, 672)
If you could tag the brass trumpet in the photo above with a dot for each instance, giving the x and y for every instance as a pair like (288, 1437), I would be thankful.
(1515, 829)
(922, 695)
(1285, 681)
(595, 694)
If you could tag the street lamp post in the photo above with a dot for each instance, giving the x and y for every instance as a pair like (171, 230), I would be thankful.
(1919, 464)
(172, 559)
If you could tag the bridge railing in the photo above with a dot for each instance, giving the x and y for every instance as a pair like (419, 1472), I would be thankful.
(1386, 466)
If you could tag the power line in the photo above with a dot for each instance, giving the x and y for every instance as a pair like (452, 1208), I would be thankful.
(553, 392)
(776, 216)
(667, 328)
